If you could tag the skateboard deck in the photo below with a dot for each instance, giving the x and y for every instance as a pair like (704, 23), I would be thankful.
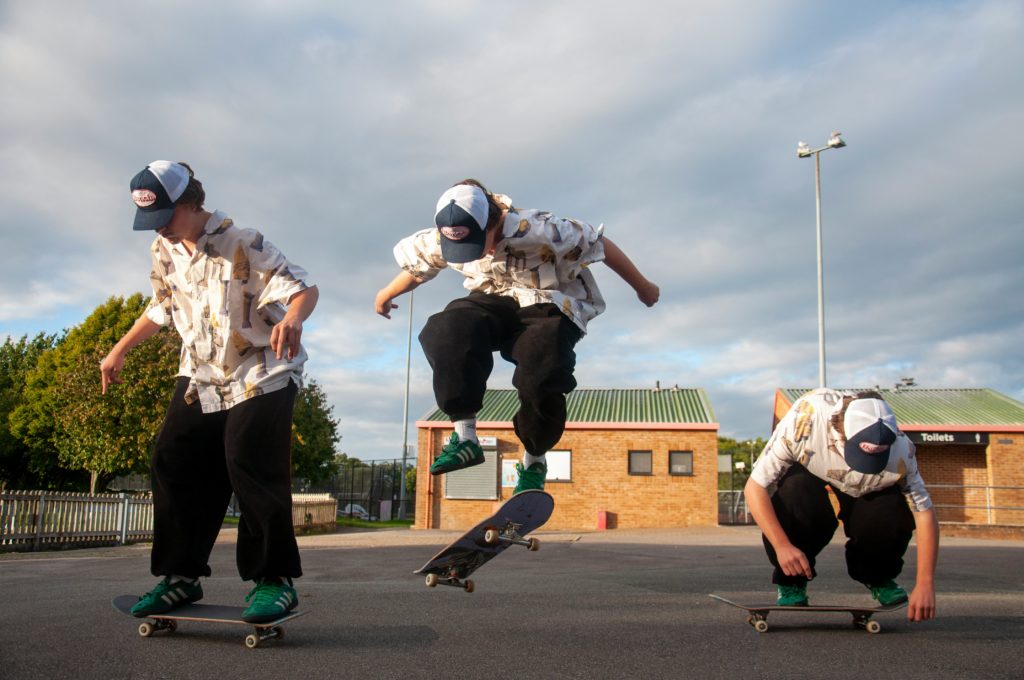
(517, 517)
(861, 615)
(210, 613)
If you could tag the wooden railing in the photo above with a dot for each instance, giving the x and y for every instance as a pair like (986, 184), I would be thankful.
(42, 520)
(313, 511)
(47, 520)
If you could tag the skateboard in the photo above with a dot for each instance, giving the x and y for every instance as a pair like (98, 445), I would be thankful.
(518, 516)
(214, 613)
(861, 615)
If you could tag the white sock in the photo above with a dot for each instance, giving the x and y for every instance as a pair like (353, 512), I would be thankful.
(188, 579)
(466, 429)
(529, 459)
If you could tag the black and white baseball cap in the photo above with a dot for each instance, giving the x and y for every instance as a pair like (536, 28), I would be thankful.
(870, 422)
(461, 218)
(155, 192)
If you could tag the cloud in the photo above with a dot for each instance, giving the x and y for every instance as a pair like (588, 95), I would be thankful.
(332, 128)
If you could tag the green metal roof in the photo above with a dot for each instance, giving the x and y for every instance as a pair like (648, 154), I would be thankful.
(664, 405)
(945, 406)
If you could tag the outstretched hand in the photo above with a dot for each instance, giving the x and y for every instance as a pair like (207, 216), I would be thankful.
(384, 304)
(648, 293)
(110, 370)
(921, 606)
(794, 562)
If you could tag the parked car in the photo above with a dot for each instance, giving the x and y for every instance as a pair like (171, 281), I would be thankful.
(355, 511)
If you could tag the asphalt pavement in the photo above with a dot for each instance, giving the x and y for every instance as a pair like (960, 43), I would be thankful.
(629, 604)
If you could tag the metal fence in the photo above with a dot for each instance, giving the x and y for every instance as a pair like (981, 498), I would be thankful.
(732, 508)
(954, 503)
(370, 490)
(977, 504)
(313, 511)
(43, 520)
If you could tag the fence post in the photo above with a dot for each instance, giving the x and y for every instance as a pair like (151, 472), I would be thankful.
(40, 510)
(124, 519)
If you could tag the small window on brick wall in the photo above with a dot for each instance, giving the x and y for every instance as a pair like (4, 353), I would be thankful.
(640, 462)
(680, 463)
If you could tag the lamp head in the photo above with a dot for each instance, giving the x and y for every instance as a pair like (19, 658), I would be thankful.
(835, 141)
(803, 150)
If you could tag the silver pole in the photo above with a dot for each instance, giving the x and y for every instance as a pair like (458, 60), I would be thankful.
(405, 415)
(821, 282)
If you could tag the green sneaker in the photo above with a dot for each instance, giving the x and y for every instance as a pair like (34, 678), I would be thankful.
(792, 596)
(270, 599)
(456, 455)
(531, 477)
(888, 593)
(167, 596)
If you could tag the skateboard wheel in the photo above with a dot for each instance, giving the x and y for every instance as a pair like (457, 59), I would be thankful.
(534, 545)
(431, 580)
(491, 536)
(252, 641)
(873, 626)
(470, 586)
(761, 626)
(145, 629)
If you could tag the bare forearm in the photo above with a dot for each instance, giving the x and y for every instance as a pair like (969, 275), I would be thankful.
(927, 526)
(302, 304)
(760, 505)
(619, 263)
(402, 283)
(142, 330)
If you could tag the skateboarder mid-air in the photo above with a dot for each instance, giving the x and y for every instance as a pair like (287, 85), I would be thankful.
(238, 305)
(531, 297)
(853, 444)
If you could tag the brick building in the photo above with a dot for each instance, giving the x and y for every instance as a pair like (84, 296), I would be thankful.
(970, 448)
(628, 458)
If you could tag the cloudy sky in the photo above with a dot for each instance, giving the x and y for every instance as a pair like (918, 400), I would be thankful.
(333, 128)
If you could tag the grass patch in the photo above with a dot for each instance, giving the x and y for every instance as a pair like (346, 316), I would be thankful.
(364, 524)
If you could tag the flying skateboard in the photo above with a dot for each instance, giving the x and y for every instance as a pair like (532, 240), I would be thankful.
(213, 613)
(517, 517)
(861, 615)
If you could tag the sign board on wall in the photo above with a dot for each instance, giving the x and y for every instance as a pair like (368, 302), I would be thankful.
(973, 438)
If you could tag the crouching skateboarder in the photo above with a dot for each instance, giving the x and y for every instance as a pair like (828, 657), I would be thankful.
(531, 296)
(238, 305)
(853, 444)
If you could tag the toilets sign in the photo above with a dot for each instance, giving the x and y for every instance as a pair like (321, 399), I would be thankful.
(976, 438)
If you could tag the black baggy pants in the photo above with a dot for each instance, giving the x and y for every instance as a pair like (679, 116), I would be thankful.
(199, 459)
(878, 527)
(459, 343)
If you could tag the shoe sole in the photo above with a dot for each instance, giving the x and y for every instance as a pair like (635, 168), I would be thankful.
(470, 464)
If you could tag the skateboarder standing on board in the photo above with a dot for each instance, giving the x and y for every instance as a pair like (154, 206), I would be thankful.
(238, 305)
(531, 296)
(853, 444)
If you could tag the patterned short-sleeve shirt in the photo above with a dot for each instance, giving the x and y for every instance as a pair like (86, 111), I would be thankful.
(224, 299)
(806, 436)
(539, 259)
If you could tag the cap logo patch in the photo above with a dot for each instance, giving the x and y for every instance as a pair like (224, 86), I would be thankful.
(455, 233)
(144, 197)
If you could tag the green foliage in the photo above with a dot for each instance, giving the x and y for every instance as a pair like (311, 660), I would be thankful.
(64, 410)
(738, 452)
(410, 480)
(23, 465)
(314, 436)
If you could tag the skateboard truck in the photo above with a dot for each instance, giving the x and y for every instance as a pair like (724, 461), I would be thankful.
(509, 533)
(451, 579)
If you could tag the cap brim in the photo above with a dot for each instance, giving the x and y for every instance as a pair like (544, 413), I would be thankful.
(468, 249)
(869, 463)
(151, 220)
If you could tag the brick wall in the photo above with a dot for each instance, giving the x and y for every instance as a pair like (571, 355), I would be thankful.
(957, 466)
(1006, 468)
(600, 481)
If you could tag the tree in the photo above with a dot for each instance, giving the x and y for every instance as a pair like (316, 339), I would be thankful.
(110, 434)
(22, 465)
(314, 435)
(738, 452)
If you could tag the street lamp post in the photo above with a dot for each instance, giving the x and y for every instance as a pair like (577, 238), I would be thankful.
(803, 151)
(405, 416)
